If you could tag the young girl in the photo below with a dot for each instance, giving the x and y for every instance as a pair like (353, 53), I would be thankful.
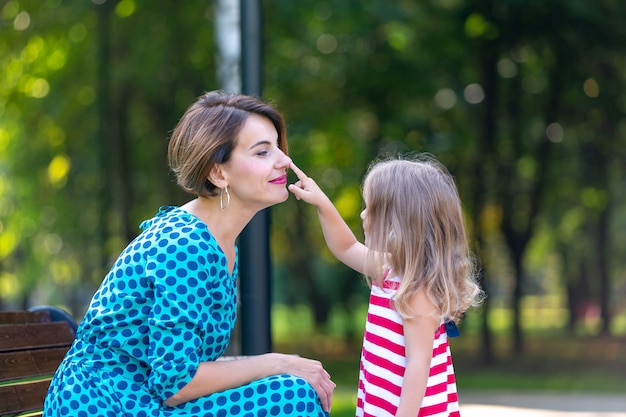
(417, 262)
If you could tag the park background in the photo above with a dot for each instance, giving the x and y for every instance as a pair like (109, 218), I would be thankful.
(523, 100)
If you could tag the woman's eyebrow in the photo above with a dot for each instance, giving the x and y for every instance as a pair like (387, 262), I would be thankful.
(260, 143)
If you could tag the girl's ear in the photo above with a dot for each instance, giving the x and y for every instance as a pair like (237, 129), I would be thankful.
(217, 177)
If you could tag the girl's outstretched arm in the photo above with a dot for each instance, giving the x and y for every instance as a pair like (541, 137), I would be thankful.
(339, 238)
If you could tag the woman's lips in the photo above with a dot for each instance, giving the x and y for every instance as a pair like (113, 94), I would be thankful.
(280, 180)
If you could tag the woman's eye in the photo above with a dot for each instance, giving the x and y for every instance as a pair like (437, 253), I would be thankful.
(262, 153)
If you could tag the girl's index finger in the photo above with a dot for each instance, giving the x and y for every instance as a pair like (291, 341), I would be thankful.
(299, 173)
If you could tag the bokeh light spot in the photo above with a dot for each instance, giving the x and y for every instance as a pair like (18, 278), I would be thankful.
(474, 93)
(591, 88)
(445, 98)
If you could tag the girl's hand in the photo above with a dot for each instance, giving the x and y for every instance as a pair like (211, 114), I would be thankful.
(306, 189)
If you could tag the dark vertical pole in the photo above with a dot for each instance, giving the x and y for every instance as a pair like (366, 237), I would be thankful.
(103, 106)
(254, 252)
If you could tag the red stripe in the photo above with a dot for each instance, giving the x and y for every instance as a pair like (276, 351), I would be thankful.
(380, 301)
(441, 349)
(451, 379)
(432, 410)
(380, 382)
(438, 369)
(386, 323)
(436, 389)
(384, 343)
(453, 397)
(359, 403)
(383, 363)
(390, 285)
(381, 403)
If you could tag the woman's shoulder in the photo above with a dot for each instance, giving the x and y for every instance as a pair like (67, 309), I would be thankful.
(174, 223)
(172, 218)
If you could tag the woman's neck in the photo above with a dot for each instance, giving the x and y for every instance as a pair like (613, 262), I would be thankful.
(225, 225)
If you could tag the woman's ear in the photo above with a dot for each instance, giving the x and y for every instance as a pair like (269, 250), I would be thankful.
(216, 176)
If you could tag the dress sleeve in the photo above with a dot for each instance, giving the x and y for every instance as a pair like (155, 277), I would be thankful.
(178, 268)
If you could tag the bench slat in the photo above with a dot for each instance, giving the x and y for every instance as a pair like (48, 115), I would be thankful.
(31, 336)
(21, 317)
(27, 364)
(26, 397)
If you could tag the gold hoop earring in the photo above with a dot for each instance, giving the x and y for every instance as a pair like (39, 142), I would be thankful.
(222, 206)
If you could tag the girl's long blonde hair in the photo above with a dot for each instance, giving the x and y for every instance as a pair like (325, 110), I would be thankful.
(414, 225)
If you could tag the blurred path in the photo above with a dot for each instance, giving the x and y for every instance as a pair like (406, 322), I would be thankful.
(511, 404)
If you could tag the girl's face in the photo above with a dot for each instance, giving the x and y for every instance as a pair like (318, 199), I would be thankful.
(363, 216)
(256, 172)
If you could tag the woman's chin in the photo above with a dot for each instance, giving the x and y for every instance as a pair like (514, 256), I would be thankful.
(279, 198)
(284, 196)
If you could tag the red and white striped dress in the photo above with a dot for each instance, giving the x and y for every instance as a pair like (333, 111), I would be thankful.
(383, 362)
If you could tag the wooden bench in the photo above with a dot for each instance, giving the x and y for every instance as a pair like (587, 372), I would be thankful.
(32, 345)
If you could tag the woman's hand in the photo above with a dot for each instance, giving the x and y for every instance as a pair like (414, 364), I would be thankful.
(235, 373)
(313, 372)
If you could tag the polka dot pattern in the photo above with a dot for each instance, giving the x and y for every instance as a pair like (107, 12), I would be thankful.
(168, 303)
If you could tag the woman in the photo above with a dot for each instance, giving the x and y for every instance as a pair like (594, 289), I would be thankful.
(150, 339)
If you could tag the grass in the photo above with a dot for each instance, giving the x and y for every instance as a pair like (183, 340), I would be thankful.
(552, 361)
(557, 362)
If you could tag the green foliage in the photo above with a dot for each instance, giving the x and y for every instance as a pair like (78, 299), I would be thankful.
(89, 94)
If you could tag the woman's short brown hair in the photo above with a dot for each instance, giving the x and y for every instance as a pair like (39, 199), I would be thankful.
(207, 134)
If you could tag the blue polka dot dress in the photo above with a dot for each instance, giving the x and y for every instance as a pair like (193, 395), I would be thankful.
(167, 304)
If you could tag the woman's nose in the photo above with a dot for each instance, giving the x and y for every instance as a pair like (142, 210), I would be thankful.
(284, 161)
